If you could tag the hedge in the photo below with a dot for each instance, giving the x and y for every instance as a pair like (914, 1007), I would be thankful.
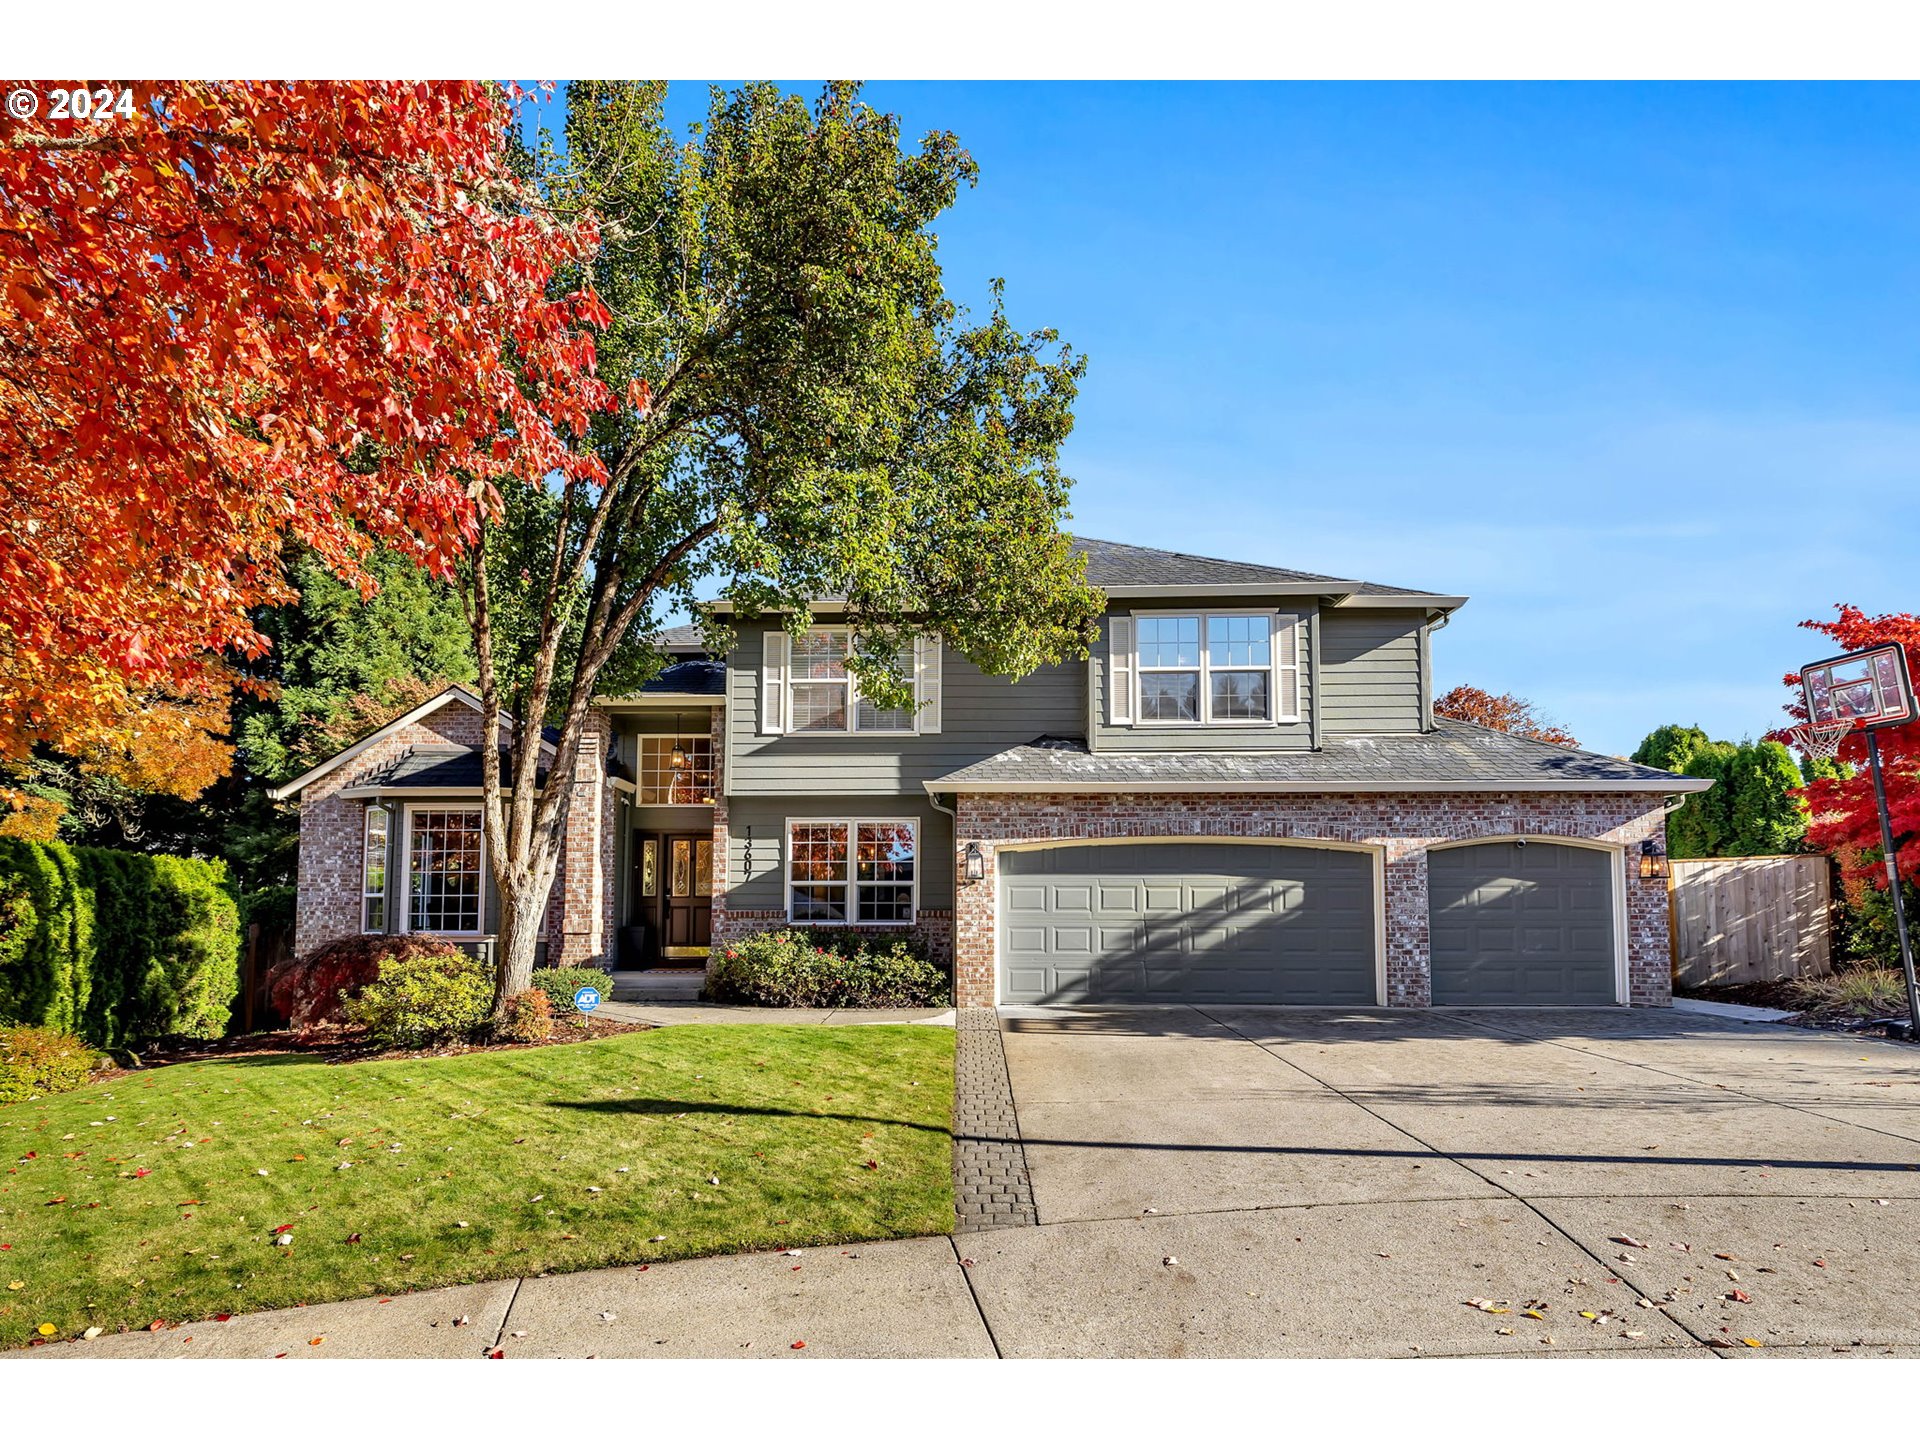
(115, 947)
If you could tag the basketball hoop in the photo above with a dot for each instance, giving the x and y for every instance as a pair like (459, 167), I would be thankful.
(1817, 742)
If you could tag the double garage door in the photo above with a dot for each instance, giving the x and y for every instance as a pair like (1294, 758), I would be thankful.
(1182, 921)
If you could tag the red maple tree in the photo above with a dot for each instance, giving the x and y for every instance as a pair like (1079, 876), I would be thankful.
(1502, 712)
(1843, 818)
(243, 314)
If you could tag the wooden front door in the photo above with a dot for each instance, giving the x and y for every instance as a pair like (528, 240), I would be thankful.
(677, 897)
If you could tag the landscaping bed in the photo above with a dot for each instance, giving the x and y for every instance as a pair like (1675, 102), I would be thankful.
(341, 1045)
(260, 1180)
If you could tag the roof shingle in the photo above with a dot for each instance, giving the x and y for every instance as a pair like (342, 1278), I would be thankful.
(1453, 756)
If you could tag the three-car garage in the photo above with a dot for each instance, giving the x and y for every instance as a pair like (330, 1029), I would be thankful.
(1510, 922)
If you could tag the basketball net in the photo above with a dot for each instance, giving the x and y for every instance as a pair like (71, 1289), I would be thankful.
(1818, 742)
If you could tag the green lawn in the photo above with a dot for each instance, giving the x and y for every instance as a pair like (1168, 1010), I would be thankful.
(145, 1200)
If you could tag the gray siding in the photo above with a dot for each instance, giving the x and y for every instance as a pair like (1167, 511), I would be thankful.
(981, 715)
(765, 887)
(1290, 736)
(1370, 678)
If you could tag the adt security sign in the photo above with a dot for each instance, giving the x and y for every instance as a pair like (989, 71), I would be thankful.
(586, 999)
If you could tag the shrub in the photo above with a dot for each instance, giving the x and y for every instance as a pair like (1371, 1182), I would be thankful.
(310, 989)
(527, 1019)
(423, 998)
(559, 985)
(1865, 993)
(836, 967)
(116, 947)
(38, 1061)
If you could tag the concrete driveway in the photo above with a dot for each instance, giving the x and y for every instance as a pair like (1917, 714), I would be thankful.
(1342, 1183)
(1240, 1182)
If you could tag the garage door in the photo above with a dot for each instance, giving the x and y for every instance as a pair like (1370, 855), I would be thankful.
(1178, 921)
(1522, 924)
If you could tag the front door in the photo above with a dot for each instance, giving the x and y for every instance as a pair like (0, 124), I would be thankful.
(673, 899)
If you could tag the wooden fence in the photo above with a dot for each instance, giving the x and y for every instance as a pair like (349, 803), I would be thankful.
(1738, 921)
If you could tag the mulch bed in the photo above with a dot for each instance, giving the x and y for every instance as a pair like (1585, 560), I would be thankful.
(339, 1046)
(1770, 994)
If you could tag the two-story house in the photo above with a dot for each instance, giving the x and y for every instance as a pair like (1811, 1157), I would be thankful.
(1242, 795)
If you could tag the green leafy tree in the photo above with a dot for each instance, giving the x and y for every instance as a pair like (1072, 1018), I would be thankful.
(1704, 825)
(1768, 817)
(800, 410)
(1670, 747)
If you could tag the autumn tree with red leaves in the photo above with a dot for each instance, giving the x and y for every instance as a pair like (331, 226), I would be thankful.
(244, 314)
(1844, 820)
(1502, 712)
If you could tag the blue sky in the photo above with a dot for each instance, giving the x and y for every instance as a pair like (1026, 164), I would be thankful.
(1632, 366)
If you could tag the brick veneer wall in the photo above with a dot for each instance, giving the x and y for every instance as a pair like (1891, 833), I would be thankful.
(1401, 826)
(586, 884)
(332, 835)
(332, 829)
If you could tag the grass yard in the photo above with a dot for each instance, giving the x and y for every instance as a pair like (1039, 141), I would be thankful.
(162, 1196)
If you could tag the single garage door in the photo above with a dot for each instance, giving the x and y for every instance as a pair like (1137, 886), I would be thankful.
(1179, 921)
(1518, 923)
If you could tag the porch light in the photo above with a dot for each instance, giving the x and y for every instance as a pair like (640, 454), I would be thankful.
(678, 758)
(1653, 860)
(976, 862)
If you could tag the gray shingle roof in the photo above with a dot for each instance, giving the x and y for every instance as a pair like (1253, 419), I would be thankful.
(696, 679)
(679, 637)
(437, 767)
(1454, 756)
(1111, 564)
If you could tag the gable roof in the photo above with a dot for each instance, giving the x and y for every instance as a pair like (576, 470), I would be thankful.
(1122, 569)
(1454, 756)
(680, 639)
(419, 712)
(1131, 571)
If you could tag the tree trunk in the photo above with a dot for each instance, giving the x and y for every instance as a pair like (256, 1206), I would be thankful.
(523, 913)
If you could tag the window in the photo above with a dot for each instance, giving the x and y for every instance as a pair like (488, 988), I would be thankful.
(858, 872)
(1206, 669)
(373, 873)
(661, 783)
(826, 698)
(444, 870)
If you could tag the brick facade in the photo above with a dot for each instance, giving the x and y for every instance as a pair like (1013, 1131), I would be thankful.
(333, 827)
(582, 925)
(1399, 827)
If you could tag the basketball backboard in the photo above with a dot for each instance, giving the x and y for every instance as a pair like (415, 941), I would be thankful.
(1859, 691)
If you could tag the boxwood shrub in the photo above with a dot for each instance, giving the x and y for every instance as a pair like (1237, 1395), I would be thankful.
(423, 998)
(38, 1061)
(826, 967)
(118, 948)
(559, 985)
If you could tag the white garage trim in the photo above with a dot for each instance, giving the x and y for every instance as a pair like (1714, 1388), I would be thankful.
(1378, 852)
(1618, 869)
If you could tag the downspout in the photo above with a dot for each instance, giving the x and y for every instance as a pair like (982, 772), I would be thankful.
(1426, 666)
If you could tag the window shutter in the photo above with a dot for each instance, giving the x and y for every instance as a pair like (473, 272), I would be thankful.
(1120, 670)
(773, 683)
(1286, 667)
(926, 683)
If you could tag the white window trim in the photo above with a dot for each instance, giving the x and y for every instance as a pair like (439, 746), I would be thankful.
(853, 884)
(1287, 713)
(916, 676)
(406, 872)
(385, 893)
(640, 772)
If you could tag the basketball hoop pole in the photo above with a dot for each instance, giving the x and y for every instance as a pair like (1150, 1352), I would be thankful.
(1893, 886)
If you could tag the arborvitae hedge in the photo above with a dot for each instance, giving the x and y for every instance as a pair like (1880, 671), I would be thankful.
(116, 947)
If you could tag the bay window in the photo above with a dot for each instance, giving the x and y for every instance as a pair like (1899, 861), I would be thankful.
(444, 870)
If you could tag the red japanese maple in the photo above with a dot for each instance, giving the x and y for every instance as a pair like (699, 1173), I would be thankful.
(250, 313)
(1843, 819)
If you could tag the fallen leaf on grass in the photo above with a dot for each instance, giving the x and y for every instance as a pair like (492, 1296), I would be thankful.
(46, 1329)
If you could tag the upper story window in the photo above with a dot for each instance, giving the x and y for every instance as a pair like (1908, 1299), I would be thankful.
(1205, 669)
(662, 782)
(826, 695)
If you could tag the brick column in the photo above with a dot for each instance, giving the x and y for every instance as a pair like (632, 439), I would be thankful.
(1409, 954)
